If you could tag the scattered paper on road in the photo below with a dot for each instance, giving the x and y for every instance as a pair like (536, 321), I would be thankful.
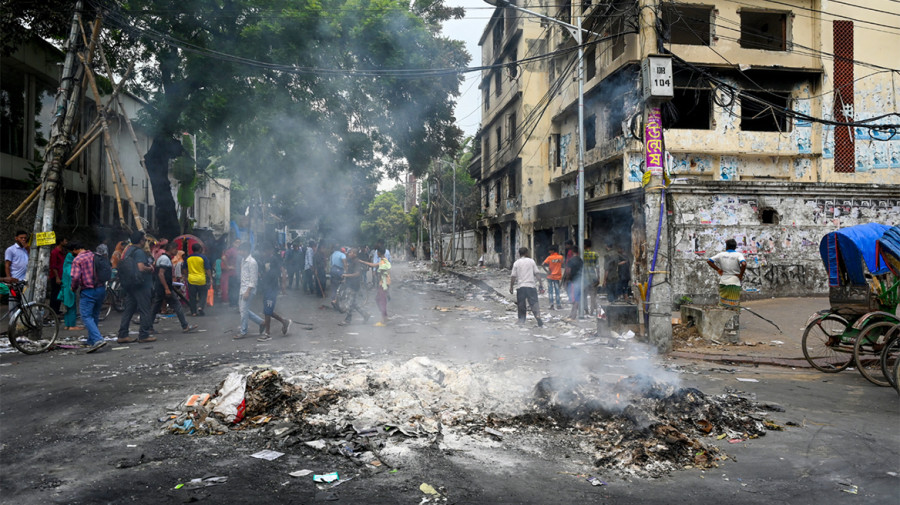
(746, 380)
(267, 454)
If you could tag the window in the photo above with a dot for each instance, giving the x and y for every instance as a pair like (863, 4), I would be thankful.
(499, 138)
(590, 63)
(487, 154)
(761, 111)
(498, 240)
(764, 30)
(12, 113)
(498, 33)
(617, 26)
(689, 109)
(513, 65)
(615, 114)
(688, 25)
(497, 83)
(26, 112)
(555, 150)
(497, 194)
(487, 94)
(512, 189)
(565, 12)
(590, 132)
(511, 127)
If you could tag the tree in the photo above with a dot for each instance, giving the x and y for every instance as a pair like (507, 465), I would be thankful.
(385, 219)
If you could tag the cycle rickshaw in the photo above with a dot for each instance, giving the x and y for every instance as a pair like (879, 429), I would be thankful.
(863, 298)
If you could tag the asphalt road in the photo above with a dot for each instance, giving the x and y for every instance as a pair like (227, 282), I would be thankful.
(83, 428)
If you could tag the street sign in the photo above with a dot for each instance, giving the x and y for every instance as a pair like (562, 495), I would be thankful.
(656, 77)
(45, 238)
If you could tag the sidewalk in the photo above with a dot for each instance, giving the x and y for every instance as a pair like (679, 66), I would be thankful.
(761, 343)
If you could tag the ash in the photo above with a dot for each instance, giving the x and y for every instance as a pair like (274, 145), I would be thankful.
(380, 415)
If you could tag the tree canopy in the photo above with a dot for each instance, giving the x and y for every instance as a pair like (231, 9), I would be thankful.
(307, 103)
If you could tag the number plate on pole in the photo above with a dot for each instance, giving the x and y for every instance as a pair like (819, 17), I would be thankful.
(656, 77)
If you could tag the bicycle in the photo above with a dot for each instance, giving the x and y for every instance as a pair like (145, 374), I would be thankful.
(345, 294)
(115, 299)
(33, 326)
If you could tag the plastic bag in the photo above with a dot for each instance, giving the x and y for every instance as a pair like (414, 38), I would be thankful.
(210, 297)
(230, 402)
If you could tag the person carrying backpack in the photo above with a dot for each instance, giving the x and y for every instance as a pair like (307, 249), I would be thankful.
(135, 272)
(84, 276)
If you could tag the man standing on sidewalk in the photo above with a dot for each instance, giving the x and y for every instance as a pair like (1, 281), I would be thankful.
(249, 281)
(730, 265)
(164, 290)
(136, 271)
(523, 277)
(92, 294)
(272, 282)
(554, 265)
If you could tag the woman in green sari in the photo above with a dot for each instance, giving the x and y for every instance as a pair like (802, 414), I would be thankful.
(67, 296)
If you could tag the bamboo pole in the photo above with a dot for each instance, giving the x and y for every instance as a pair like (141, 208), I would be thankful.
(26, 203)
(82, 148)
(134, 138)
(111, 150)
(112, 172)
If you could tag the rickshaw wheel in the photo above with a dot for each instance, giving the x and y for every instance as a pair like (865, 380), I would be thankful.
(821, 344)
(891, 354)
(867, 352)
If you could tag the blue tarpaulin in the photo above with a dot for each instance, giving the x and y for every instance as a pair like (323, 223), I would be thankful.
(849, 247)
(888, 245)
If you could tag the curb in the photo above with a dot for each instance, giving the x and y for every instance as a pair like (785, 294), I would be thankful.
(751, 360)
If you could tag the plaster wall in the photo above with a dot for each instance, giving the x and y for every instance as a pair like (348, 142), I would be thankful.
(783, 258)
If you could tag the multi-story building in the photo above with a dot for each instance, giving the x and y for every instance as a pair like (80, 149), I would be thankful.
(758, 135)
(28, 81)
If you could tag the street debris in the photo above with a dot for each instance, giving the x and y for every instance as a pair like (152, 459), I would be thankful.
(300, 473)
(267, 455)
(327, 477)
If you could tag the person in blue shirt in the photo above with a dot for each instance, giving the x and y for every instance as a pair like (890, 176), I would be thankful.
(338, 267)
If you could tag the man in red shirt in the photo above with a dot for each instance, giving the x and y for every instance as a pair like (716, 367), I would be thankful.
(554, 265)
(92, 296)
(54, 275)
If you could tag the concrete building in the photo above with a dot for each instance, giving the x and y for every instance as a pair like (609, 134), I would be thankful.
(756, 134)
(28, 79)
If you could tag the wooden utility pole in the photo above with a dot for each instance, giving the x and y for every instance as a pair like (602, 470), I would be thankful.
(54, 156)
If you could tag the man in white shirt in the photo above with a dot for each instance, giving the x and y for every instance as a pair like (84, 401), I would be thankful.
(730, 265)
(523, 277)
(249, 281)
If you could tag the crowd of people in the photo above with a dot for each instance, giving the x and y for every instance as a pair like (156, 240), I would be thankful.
(572, 273)
(167, 276)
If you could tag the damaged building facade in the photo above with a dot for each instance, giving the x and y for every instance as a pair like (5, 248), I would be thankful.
(756, 134)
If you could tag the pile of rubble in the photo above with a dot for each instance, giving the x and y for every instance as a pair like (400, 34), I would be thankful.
(638, 425)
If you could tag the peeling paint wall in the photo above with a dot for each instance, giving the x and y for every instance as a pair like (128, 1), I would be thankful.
(783, 258)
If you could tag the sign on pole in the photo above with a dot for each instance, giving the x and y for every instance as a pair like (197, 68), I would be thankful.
(45, 238)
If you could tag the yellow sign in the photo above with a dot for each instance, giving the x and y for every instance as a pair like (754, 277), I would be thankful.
(45, 238)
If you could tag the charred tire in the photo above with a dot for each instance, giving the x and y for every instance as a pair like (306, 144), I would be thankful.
(34, 328)
(821, 344)
(867, 351)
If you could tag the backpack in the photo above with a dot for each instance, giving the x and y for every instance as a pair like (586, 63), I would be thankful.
(128, 269)
(102, 270)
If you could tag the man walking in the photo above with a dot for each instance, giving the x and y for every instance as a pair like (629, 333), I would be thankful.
(591, 273)
(308, 267)
(16, 261)
(523, 277)
(554, 265)
(135, 271)
(92, 294)
(338, 267)
(249, 281)
(730, 265)
(272, 282)
(352, 278)
(165, 290)
(199, 276)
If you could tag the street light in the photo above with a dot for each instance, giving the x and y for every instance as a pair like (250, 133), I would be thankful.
(577, 33)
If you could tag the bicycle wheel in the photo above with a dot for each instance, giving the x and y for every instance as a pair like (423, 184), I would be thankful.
(822, 344)
(867, 351)
(27, 331)
(106, 308)
(343, 298)
(891, 354)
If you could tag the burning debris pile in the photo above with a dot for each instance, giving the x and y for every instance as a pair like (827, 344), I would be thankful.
(639, 425)
(644, 427)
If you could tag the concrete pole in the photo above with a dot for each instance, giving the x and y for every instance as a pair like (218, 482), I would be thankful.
(578, 38)
(658, 301)
(39, 264)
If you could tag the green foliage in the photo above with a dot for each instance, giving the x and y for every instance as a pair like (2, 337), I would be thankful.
(385, 220)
